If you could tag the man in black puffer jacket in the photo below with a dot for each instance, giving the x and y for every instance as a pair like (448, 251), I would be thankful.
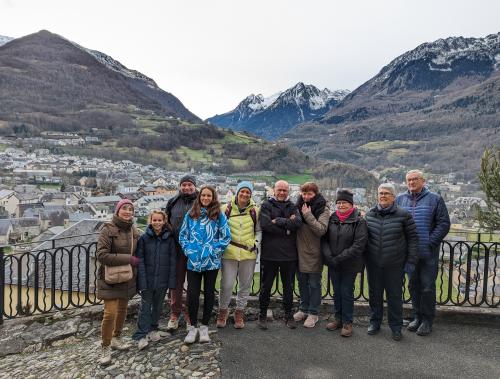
(279, 220)
(176, 209)
(392, 250)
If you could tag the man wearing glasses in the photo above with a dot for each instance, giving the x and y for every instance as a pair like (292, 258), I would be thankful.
(433, 223)
(392, 250)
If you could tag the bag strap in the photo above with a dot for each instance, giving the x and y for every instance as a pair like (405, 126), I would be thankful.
(252, 212)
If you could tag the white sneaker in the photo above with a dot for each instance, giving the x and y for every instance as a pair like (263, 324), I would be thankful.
(105, 358)
(154, 336)
(173, 324)
(311, 321)
(118, 343)
(204, 337)
(192, 334)
(299, 316)
(143, 343)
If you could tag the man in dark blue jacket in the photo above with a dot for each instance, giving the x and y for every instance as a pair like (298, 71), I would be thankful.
(433, 223)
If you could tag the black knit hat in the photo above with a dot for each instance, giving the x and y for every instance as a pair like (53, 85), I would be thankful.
(188, 178)
(346, 195)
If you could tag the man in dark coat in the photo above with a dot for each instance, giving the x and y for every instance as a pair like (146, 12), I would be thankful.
(433, 224)
(279, 220)
(176, 208)
(392, 250)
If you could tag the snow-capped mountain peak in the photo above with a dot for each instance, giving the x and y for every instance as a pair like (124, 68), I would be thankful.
(272, 116)
(5, 39)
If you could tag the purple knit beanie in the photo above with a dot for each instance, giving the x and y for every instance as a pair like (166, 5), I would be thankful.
(121, 203)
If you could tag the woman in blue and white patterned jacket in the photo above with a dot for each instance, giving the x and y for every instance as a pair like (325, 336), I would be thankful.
(204, 236)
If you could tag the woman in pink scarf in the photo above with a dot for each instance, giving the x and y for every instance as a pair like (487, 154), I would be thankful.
(342, 250)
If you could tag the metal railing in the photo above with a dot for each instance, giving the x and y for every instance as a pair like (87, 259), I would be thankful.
(59, 277)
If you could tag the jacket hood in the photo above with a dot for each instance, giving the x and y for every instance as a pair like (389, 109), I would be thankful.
(151, 233)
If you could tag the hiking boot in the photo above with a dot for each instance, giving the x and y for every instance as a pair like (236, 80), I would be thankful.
(397, 335)
(262, 323)
(373, 329)
(204, 337)
(424, 329)
(192, 335)
(299, 316)
(143, 343)
(118, 343)
(239, 323)
(346, 330)
(334, 325)
(311, 321)
(222, 318)
(290, 322)
(414, 325)
(173, 324)
(105, 358)
(154, 336)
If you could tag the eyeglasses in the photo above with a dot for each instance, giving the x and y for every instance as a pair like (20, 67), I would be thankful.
(385, 194)
(409, 180)
(342, 202)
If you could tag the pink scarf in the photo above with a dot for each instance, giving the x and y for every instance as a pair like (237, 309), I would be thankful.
(344, 216)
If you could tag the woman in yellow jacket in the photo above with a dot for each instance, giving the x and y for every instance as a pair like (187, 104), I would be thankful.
(239, 257)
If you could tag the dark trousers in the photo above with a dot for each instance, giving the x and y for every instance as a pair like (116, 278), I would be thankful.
(176, 300)
(343, 295)
(194, 289)
(390, 280)
(269, 272)
(149, 314)
(422, 288)
(310, 292)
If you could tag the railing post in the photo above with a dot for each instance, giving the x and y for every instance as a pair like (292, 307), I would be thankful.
(2, 282)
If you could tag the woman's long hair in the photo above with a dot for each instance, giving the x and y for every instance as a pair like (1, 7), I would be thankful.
(213, 209)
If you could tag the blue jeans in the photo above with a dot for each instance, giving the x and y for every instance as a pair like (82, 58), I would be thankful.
(310, 292)
(422, 288)
(390, 280)
(343, 295)
(149, 314)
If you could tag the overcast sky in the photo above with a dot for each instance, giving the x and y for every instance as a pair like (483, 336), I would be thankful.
(211, 54)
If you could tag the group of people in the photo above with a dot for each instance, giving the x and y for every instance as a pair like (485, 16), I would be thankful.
(195, 237)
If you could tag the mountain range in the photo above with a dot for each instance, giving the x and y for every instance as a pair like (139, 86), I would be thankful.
(49, 83)
(434, 107)
(273, 116)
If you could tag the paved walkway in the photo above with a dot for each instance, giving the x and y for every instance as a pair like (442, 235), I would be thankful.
(452, 351)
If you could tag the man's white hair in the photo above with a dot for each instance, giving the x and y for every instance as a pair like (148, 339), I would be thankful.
(418, 172)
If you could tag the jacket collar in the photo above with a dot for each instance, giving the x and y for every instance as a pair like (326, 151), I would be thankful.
(353, 217)
(150, 232)
(419, 195)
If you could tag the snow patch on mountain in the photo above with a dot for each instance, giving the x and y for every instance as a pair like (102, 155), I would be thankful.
(4, 40)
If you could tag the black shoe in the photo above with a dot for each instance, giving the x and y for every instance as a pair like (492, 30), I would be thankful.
(396, 335)
(413, 326)
(262, 323)
(373, 329)
(290, 322)
(424, 329)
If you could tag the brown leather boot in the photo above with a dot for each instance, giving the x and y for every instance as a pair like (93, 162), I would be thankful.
(334, 325)
(222, 318)
(346, 330)
(238, 319)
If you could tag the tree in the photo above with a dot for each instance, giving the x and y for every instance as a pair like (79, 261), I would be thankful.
(489, 178)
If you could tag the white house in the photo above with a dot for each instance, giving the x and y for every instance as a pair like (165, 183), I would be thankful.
(9, 201)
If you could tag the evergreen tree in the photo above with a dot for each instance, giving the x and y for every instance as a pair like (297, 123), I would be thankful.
(489, 177)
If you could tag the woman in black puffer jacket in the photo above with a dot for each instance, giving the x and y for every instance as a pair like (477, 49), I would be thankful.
(342, 249)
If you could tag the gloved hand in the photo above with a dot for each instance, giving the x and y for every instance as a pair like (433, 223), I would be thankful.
(409, 268)
(134, 261)
(335, 261)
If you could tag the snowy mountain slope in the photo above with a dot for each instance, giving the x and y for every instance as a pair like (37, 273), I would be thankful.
(270, 117)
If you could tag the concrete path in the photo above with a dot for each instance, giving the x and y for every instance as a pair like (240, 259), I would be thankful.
(452, 351)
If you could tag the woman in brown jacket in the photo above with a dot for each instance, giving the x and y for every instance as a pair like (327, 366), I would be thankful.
(315, 215)
(116, 246)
